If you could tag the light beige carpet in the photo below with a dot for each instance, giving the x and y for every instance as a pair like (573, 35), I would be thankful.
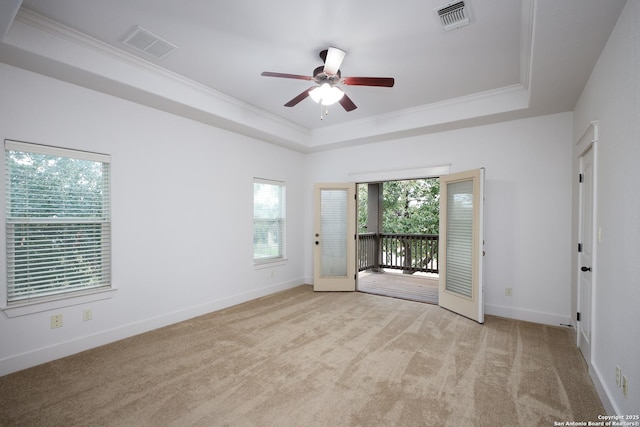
(300, 358)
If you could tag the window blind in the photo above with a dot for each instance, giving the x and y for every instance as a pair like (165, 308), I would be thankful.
(268, 220)
(459, 243)
(57, 221)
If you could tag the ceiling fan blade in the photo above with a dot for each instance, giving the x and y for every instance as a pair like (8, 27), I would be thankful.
(369, 81)
(285, 76)
(347, 103)
(300, 97)
(333, 60)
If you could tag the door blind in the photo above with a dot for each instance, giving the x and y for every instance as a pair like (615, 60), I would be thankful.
(459, 274)
(333, 231)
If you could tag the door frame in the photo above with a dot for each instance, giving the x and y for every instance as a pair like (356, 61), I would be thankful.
(589, 140)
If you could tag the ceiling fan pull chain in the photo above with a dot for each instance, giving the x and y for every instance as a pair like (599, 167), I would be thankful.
(323, 113)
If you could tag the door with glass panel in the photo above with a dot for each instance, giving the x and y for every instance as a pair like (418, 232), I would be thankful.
(461, 244)
(334, 241)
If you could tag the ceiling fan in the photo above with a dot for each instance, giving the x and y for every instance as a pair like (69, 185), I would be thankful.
(327, 78)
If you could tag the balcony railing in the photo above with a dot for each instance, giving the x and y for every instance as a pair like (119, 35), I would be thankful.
(407, 252)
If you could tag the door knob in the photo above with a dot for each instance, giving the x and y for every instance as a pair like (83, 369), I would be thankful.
(586, 269)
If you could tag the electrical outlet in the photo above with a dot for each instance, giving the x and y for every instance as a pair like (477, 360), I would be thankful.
(56, 321)
(625, 385)
(87, 314)
(507, 291)
(618, 375)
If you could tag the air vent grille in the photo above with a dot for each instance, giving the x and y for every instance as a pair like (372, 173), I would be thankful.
(453, 15)
(148, 43)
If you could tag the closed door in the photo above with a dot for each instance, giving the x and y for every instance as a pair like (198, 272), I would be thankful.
(585, 256)
(334, 237)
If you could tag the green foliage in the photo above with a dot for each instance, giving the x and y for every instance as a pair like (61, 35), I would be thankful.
(363, 197)
(411, 206)
(45, 186)
(268, 220)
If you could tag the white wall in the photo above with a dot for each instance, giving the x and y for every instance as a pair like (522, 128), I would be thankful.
(612, 97)
(181, 214)
(528, 203)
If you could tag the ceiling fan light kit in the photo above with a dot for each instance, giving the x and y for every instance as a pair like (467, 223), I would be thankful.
(327, 78)
(326, 94)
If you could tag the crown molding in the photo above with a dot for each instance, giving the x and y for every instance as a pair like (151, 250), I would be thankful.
(42, 23)
(422, 118)
(36, 28)
(122, 74)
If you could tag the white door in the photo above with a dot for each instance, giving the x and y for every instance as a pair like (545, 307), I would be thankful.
(460, 257)
(334, 239)
(585, 255)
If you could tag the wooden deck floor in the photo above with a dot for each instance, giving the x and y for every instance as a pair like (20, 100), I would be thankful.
(403, 286)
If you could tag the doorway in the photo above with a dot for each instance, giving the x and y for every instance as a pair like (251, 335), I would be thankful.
(459, 256)
(587, 235)
(398, 238)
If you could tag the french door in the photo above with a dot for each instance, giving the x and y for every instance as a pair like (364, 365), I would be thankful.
(334, 237)
(460, 256)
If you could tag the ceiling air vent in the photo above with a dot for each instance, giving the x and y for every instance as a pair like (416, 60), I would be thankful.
(148, 43)
(453, 15)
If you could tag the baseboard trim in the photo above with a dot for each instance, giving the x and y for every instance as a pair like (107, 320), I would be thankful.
(39, 356)
(527, 315)
(603, 391)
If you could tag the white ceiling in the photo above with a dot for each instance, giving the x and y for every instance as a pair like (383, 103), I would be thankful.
(517, 58)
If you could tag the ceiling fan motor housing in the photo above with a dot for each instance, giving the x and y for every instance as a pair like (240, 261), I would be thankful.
(319, 76)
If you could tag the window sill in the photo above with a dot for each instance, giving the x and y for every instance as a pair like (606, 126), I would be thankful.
(268, 264)
(57, 302)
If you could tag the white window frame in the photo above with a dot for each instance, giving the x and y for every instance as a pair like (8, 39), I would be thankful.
(44, 301)
(261, 261)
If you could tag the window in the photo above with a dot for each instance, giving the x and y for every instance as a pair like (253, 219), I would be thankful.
(57, 221)
(268, 220)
